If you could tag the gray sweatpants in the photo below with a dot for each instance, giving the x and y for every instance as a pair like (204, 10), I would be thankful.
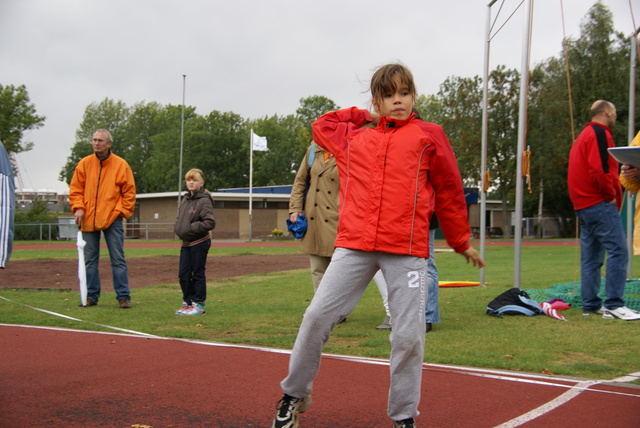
(344, 282)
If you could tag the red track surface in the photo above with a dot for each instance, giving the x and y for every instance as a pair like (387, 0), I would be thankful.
(58, 378)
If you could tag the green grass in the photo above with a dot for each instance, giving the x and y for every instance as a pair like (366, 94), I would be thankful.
(171, 250)
(266, 310)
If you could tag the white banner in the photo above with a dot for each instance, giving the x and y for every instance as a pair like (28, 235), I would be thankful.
(260, 143)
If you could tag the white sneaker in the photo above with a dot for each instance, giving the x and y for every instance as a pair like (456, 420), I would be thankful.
(194, 309)
(622, 313)
(601, 311)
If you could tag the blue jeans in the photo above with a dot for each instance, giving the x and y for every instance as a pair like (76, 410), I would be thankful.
(601, 230)
(432, 310)
(114, 236)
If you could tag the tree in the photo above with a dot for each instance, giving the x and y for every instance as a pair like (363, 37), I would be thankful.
(598, 63)
(135, 136)
(502, 143)
(162, 167)
(313, 107)
(109, 115)
(279, 164)
(310, 109)
(218, 144)
(458, 110)
(17, 115)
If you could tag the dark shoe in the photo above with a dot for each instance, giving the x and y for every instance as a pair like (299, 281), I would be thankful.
(429, 327)
(124, 303)
(405, 423)
(90, 302)
(288, 409)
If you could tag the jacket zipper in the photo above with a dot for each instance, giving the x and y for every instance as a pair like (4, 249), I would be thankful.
(95, 210)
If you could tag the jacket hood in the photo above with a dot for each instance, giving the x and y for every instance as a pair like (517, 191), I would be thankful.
(201, 193)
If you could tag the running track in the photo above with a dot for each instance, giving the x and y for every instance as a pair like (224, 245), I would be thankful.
(69, 378)
(237, 243)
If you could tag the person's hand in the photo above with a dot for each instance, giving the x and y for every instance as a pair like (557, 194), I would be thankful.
(79, 217)
(473, 256)
(629, 172)
(293, 217)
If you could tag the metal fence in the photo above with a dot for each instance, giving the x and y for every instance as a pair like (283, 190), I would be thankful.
(66, 229)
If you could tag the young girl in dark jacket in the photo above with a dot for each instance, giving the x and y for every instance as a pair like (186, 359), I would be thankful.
(195, 221)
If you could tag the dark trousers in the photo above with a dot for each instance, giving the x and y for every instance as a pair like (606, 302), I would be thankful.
(193, 282)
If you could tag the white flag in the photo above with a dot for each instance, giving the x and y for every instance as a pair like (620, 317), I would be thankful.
(260, 143)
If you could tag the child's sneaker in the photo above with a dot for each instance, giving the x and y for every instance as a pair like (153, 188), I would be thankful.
(184, 308)
(288, 409)
(405, 423)
(195, 309)
(623, 313)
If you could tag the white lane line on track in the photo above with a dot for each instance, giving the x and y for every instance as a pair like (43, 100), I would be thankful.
(137, 333)
(549, 406)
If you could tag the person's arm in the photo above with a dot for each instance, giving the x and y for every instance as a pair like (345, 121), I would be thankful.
(450, 203)
(128, 193)
(474, 257)
(76, 194)
(331, 130)
(629, 178)
(298, 188)
(207, 220)
(629, 175)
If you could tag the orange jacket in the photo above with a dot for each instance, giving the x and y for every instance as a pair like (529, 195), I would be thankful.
(392, 178)
(104, 189)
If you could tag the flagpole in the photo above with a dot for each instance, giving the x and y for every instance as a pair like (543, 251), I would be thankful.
(184, 83)
(251, 185)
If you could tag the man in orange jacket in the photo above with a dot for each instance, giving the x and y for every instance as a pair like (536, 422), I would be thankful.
(103, 192)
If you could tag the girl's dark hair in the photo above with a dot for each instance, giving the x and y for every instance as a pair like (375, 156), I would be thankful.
(382, 81)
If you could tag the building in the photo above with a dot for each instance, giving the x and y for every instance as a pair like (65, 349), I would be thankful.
(155, 213)
(56, 202)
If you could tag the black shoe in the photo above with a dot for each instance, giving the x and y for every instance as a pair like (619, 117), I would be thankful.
(288, 409)
(405, 423)
(429, 327)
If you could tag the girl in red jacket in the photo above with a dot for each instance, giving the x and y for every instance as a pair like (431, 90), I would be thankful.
(393, 176)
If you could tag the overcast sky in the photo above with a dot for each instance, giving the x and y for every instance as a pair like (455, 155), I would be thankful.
(255, 58)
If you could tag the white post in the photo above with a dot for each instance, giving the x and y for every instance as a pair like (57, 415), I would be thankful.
(522, 139)
(251, 185)
(483, 168)
(184, 82)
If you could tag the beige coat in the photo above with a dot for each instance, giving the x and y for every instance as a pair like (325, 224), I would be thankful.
(323, 201)
(633, 185)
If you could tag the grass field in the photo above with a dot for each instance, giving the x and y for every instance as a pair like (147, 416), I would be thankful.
(266, 310)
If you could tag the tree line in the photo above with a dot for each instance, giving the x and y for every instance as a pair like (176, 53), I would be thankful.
(148, 134)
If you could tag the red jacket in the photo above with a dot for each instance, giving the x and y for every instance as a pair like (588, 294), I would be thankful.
(588, 182)
(388, 177)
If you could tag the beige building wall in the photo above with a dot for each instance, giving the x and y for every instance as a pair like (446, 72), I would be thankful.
(156, 213)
